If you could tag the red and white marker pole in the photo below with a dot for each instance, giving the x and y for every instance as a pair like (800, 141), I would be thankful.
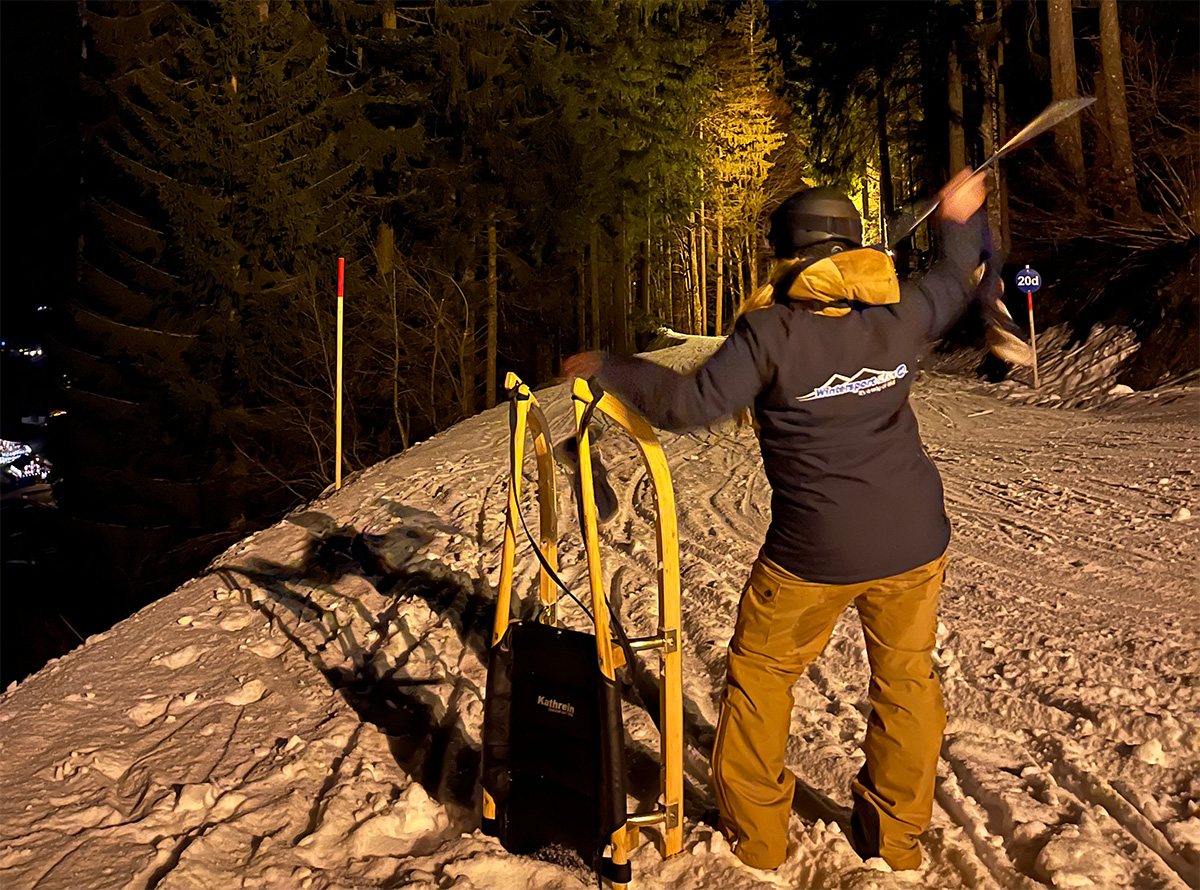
(1029, 280)
(1032, 340)
(337, 445)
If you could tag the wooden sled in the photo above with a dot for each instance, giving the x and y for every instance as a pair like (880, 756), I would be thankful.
(538, 708)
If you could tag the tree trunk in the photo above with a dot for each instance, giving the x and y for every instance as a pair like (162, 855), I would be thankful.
(612, 333)
(866, 204)
(958, 142)
(493, 320)
(886, 200)
(743, 287)
(1068, 138)
(580, 306)
(987, 123)
(385, 248)
(1124, 180)
(402, 423)
(735, 276)
(694, 280)
(594, 256)
(468, 348)
(752, 259)
(703, 272)
(658, 299)
(873, 224)
(1001, 133)
(621, 293)
(644, 299)
(719, 327)
(608, 299)
(1103, 159)
(669, 255)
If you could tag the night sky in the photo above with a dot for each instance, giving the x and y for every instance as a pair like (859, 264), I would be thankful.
(39, 54)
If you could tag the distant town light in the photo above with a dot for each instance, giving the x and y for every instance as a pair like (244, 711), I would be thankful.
(11, 451)
(36, 468)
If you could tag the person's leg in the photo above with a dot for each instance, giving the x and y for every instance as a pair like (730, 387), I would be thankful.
(893, 794)
(783, 624)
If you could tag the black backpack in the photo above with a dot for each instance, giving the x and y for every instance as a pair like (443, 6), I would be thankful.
(553, 745)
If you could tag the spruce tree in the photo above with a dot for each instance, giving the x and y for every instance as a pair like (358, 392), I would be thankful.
(218, 193)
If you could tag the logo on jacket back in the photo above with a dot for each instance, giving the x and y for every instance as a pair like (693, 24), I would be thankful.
(558, 707)
(864, 382)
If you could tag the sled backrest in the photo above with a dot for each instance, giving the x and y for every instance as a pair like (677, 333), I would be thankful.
(669, 815)
(525, 413)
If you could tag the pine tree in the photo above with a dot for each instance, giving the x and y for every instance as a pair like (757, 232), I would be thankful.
(219, 191)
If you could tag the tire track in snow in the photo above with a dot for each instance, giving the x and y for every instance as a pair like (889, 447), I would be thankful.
(1094, 790)
(972, 817)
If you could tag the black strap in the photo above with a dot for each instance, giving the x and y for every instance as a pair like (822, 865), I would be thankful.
(631, 659)
(618, 874)
(623, 641)
(512, 465)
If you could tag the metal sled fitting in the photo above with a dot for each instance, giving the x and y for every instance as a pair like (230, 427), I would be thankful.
(526, 414)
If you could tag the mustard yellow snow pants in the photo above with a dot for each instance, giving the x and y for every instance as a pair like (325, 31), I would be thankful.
(783, 624)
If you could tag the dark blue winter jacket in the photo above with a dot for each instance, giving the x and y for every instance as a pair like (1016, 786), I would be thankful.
(854, 495)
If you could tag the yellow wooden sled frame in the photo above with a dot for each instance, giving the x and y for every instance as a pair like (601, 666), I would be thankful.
(667, 817)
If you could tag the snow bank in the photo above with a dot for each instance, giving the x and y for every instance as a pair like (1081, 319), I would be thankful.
(1072, 373)
(1075, 375)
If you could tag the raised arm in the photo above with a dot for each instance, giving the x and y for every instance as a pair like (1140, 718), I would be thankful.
(940, 297)
(942, 294)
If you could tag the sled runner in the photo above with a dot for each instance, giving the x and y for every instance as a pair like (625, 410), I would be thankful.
(553, 738)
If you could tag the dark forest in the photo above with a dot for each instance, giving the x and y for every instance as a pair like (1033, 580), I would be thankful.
(508, 183)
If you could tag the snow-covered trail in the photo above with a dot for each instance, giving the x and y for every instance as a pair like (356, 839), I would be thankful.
(308, 713)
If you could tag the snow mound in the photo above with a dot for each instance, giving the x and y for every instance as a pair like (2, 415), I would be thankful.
(681, 351)
(1074, 374)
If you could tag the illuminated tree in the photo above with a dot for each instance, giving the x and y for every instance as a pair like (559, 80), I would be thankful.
(743, 133)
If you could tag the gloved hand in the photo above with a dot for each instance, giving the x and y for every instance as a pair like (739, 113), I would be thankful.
(962, 196)
(583, 364)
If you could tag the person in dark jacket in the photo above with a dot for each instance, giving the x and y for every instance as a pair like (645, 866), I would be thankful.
(826, 357)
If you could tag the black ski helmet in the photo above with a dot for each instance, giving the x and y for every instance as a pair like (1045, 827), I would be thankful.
(812, 216)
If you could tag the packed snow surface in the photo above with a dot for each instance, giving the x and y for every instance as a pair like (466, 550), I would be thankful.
(307, 713)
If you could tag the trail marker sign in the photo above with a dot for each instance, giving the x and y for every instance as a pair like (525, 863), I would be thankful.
(1029, 280)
